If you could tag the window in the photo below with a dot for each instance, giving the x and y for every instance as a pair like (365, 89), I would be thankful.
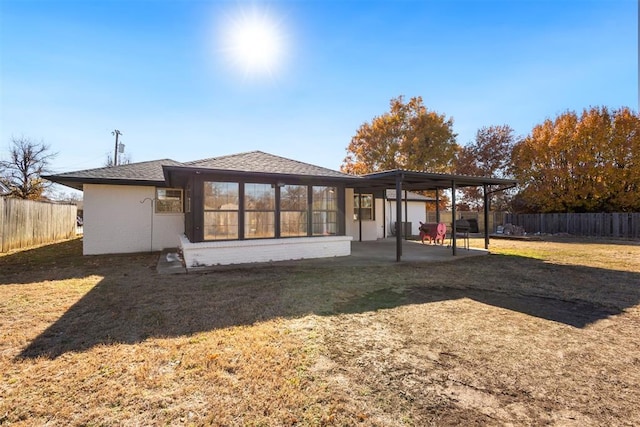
(168, 200)
(325, 211)
(363, 204)
(260, 214)
(293, 210)
(221, 210)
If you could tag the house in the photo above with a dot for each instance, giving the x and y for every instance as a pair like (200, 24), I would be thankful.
(247, 207)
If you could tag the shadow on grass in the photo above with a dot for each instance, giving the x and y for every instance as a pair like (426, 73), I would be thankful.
(27, 263)
(574, 313)
(63, 260)
(133, 303)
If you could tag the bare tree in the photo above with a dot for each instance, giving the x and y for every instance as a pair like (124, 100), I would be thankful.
(123, 159)
(22, 172)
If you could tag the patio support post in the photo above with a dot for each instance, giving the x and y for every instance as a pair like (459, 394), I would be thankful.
(398, 217)
(453, 218)
(487, 202)
(437, 206)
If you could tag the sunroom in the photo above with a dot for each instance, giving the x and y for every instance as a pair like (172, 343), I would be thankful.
(284, 210)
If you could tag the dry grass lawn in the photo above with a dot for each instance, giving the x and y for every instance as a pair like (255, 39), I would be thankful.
(536, 333)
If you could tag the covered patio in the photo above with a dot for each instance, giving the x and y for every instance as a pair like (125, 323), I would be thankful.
(406, 180)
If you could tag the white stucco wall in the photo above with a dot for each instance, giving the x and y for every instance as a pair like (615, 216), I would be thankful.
(120, 219)
(416, 212)
(372, 229)
(385, 212)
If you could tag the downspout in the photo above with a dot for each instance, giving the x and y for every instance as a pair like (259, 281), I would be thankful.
(437, 206)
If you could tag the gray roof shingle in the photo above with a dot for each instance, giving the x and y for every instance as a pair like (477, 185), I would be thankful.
(151, 172)
(143, 172)
(258, 161)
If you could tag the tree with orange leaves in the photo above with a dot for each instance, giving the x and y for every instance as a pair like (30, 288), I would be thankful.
(586, 163)
(407, 137)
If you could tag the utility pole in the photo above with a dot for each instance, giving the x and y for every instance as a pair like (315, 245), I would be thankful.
(117, 133)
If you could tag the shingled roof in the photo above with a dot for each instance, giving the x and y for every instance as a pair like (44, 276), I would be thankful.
(152, 172)
(159, 172)
(261, 162)
(142, 173)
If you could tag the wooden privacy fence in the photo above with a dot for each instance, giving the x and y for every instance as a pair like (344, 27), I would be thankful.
(495, 218)
(25, 223)
(622, 225)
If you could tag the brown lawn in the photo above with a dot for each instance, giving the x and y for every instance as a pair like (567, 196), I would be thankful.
(537, 333)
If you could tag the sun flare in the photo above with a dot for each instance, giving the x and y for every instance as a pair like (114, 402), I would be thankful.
(254, 42)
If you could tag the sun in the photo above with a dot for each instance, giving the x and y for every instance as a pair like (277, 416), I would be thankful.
(254, 42)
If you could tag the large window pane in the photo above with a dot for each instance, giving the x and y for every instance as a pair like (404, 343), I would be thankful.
(293, 210)
(259, 197)
(221, 196)
(221, 210)
(259, 216)
(293, 223)
(325, 211)
(259, 225)
(293, 198)
(220, 225)
(367, 208)
(325, 198)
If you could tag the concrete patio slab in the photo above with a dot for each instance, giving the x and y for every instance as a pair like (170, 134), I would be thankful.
(384, 251)
(376, 252)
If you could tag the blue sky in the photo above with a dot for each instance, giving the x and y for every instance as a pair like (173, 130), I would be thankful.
(73, 71)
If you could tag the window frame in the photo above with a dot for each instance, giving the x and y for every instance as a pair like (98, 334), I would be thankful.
(247, 211)
(237, 212)
(159, 199)
(357, 198)
(300, 209)
(304, 212)
(328, 212)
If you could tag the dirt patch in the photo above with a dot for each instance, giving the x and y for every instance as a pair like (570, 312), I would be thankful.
(459, 361)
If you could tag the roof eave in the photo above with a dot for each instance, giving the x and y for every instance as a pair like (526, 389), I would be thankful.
(78, 182)
(436, 180)
(171, 171)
